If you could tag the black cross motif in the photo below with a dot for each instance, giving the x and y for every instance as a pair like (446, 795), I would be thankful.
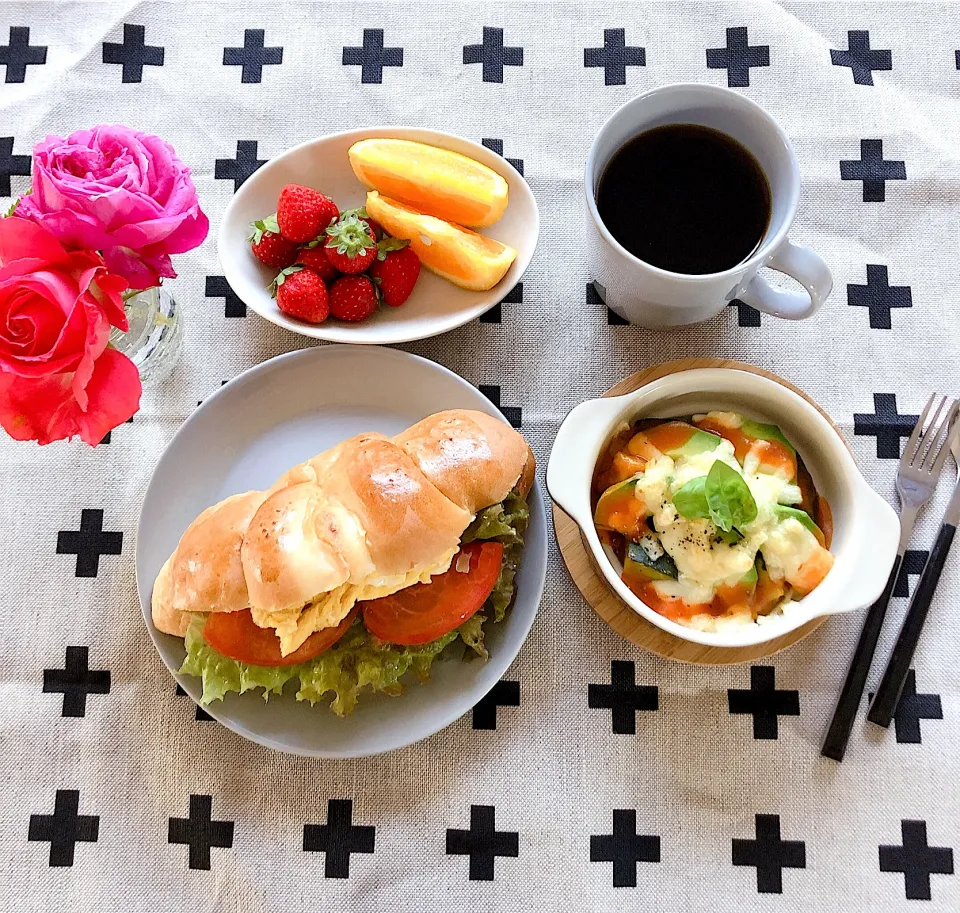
(615, 56)
(109, 435)
(513, 414)
(372, 57)
(738, 57)
(482, 843)
(493, 55)
(769, 854)
(746, 315)
(89, 543)
(338, 838)
(879, 296)
(860, 58)
(624, 848)
(595, 299)
(133, 54)
(496, 145)
(218, 287)
(886, 425)
(75, 681)
(873, 169)
(200, 715)
(623, 697)
(764, 701)
(64, 829)
(912, 708)
(200, 832)
(495, 314)
(11, 164)
(503, 694)
(253, 56)
(240, 168)
(913, 561)
(20, 54)
(916, 859)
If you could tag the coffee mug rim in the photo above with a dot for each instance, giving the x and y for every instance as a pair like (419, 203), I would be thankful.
(769, 245)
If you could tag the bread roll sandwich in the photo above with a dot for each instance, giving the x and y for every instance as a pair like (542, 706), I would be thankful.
(357, 566)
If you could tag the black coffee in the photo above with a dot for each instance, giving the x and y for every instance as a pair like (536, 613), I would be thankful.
(685, 198)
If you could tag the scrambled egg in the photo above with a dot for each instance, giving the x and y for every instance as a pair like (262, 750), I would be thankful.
(295, 625)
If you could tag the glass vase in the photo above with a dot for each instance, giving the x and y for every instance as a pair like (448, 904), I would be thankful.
(154, 342)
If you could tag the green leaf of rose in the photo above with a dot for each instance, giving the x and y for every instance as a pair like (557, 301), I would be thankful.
(728, 497)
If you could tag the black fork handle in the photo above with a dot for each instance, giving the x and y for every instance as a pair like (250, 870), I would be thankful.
(885, 701)
(848, 703)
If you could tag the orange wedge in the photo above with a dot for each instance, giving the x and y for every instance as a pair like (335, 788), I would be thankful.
(457, 254)
(436, 181)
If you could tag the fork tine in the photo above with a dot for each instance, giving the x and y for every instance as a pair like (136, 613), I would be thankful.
(928, 434)
(933, 461)
(910, 450)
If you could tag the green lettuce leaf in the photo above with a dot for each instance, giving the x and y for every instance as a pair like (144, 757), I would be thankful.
(360, 661)
(221, 674)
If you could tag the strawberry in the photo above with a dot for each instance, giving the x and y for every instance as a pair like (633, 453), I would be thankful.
(395, 270)
(315, 258)
(303, 213)
(269, 246)
(353, 298)
(301, 293)
(350, 247)
(376, 229)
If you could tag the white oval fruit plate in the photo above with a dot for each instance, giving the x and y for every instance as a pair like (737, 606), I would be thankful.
(436, 305)
(248, 433)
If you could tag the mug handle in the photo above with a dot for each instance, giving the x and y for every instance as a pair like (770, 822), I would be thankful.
(799, 263)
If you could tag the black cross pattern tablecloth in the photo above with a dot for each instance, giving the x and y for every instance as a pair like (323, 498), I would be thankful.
(595, 776)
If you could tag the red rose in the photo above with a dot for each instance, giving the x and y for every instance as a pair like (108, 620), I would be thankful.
(57, 376)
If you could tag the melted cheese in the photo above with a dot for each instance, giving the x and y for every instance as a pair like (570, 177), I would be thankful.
(327, 610)
(704, 563)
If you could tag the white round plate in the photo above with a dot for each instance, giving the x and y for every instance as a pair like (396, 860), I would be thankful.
(243, 437)
(436, 305)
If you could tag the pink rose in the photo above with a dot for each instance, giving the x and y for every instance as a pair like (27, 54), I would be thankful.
(118, 191)
(57, 376)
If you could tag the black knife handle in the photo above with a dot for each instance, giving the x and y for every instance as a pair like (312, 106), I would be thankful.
(885, 701)
(835, 742)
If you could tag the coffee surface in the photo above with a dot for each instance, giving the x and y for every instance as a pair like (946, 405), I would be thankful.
(685, 198)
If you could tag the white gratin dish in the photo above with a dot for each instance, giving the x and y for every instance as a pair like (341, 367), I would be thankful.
(866, 528)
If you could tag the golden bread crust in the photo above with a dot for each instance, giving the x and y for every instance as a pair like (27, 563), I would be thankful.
(367, 511)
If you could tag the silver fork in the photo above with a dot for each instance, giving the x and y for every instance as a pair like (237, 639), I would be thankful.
(885, 701)
(920, 466)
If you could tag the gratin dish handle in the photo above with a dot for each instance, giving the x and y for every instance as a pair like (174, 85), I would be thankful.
(799, 263)
(876, 535)
(574, 455)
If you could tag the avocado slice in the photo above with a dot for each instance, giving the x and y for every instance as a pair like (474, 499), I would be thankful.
(698, 442)
(638, 563)
(785, 512)
(763, 432)
(616, 506)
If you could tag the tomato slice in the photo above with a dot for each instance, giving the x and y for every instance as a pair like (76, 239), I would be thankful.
(425, 611)
(236, 635)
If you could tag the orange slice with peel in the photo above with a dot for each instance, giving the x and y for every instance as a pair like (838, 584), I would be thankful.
(458, 254)
(436, 181)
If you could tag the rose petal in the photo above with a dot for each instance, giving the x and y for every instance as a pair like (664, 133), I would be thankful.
(20, 238)
(44, 410)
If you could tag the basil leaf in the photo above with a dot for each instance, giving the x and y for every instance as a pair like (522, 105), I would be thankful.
(728, 497)
(690, 500)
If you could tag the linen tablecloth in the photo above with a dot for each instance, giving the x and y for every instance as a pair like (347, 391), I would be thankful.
(606, 778)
